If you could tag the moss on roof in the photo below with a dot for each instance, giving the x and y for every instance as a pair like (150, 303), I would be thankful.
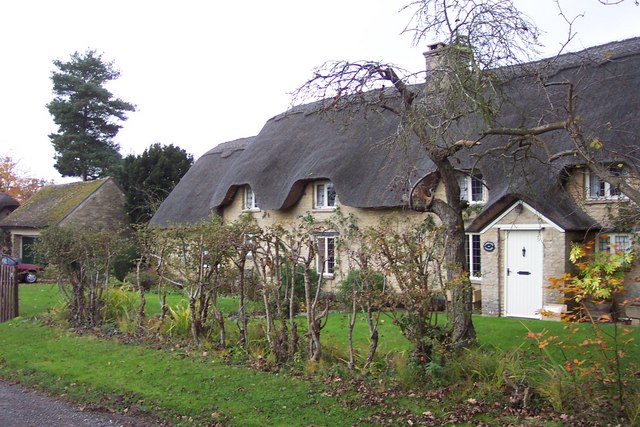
(51, 204)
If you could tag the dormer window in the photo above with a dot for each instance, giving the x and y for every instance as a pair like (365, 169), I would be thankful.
(325, 195)
(598, 189)
(250, 203)
(472, 189)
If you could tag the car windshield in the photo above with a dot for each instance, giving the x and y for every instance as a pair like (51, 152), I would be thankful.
(7, 260)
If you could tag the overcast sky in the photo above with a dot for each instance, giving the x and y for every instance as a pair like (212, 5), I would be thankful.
(202, 72)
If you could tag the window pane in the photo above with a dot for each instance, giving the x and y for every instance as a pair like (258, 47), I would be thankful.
(596, 186)
(622, 242)
(248, 197)
(320, 195)
(320, 256)
(475, 256)
(330, 255)
(603, 243)
(467, 253)
(464, 188)
(476, 189)
(331, 195)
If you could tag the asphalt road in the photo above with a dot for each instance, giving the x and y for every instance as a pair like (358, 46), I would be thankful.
(20, 407)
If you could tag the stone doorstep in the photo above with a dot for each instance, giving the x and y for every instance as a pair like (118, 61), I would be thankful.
(633, 311)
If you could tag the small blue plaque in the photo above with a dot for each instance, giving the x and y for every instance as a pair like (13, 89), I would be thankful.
(489, 246)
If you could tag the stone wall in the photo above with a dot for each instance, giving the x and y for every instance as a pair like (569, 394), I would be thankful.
(289, 217)
(104, 209)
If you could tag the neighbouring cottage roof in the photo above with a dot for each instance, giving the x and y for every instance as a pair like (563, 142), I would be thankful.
(6, 201)
(51, 204)
(370, 168)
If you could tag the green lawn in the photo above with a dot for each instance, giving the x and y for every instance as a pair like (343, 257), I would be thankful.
(175, 382)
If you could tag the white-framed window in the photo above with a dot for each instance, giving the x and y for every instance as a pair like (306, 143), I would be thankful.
(324, 195)
(607, 242)
(598, 189)
(473, 252)
(250, 202)
(326, 256)
(472, 188)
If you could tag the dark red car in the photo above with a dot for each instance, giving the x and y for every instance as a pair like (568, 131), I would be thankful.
(26, 272)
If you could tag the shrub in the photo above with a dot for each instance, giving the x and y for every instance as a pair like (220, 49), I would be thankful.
(148, 278)
(124, 261)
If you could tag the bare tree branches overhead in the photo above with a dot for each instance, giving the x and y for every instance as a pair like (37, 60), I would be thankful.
(497, 31)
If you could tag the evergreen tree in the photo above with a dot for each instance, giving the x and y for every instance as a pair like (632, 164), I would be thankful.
(87, 115)
(148, 179)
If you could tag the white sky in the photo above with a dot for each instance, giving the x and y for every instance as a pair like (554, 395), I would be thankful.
(202, 72)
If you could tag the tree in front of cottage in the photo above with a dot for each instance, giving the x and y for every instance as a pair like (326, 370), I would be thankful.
(439, 113)
(88, 116)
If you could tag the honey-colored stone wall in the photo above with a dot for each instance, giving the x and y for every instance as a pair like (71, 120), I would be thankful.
(289, 217)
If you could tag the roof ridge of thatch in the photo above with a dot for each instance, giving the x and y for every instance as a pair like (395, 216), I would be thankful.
(229, 147)
(553, 65)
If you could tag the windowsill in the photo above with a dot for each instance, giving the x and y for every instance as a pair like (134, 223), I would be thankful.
(604, 201)
(475, 279)
(251, 210)
(327, 209)
(328, 276)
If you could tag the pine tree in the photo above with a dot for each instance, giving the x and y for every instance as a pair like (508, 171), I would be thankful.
(87, 115)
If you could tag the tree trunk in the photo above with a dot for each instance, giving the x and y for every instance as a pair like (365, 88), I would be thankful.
(140, 314)
(268, 318)
(373, 336)
(462, 332)
(242, 316)
(352, 323)
(196, 327)
(313, 324)
(219, 317)
(293, 347)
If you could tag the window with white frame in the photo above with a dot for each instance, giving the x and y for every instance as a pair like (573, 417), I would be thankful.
(474, 255)
(326, 258)
(250, 203)
(614, 241)
(325, 195)
(598, 189)
(472, 188)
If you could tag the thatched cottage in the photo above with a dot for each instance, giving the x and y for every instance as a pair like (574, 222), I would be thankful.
(527, 204)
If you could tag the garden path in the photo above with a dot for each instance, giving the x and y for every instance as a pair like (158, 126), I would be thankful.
(21, 407)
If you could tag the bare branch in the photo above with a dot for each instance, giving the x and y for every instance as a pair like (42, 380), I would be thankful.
(499, 33)
(526, 131)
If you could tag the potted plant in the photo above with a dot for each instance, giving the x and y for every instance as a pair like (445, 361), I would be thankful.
(600, 275)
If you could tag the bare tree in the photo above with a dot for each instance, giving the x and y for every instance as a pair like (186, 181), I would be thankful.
(194, 258)
(462, 93)
(242, 240)
(364, 287)
(413, 254)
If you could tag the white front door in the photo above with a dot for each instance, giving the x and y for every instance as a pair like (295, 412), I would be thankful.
(523, 272)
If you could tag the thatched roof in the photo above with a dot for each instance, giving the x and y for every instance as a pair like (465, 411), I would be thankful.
(6, 201)
(51, 204)
(371, 169)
